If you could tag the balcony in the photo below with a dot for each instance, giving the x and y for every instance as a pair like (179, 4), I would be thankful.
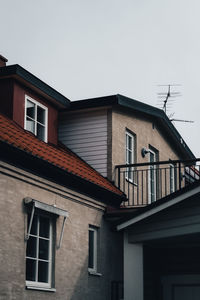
(144, 183)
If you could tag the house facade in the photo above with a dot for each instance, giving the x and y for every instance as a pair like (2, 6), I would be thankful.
(114, 131)
(55, 243)
(79, 188)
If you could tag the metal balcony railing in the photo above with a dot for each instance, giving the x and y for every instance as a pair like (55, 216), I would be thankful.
(144, 183)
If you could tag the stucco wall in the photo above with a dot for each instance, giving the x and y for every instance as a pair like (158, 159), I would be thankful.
(147, 133)
(72, 281)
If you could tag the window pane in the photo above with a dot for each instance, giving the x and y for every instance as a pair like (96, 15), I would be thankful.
(31, 247)
(127, 157)
(172, 185)
(30, 125)
(152, 157)
(43, 271)
(44, 227)
(40, 115)
(30, 269)
(43, 249)
(130, 157)
(91, 249)
(129, 143)
(40, 132)
(30, 109)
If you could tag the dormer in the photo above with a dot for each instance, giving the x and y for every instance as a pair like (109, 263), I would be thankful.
(30, 102)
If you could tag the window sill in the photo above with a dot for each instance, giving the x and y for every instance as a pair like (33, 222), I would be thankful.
(29, 287)
(94, 273)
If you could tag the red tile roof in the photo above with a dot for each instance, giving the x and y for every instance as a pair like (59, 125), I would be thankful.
(62, 157)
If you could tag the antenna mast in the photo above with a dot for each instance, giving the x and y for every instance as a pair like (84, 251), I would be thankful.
(165, 97)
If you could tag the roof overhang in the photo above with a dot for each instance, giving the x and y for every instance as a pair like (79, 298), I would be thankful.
(155, 113)
(29, 80)
(45, 169)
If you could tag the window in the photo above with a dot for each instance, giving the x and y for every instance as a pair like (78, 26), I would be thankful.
(40, 239)
(39, 252)
(152, 175)
(92, 259)
(172, 178)
(129, 154)
(36, 118)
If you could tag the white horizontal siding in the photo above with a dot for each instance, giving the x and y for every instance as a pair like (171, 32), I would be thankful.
(85, 133)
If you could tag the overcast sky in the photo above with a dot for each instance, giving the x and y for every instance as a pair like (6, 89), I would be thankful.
(92, 48)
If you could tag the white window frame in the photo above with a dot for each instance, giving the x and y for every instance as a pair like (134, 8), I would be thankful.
(94, 249)
(152, 199)
(129, 176)
(28, 98)
(37, 284)
(171, 178)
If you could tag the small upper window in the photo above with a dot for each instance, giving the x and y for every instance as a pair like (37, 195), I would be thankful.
(36, 118)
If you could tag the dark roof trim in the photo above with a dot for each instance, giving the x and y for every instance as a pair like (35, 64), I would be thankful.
(20, 73)
(3, 58)
(42, 168)
(159, 205)
(138, 106)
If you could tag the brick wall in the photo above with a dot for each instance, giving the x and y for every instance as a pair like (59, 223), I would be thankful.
(72, 281)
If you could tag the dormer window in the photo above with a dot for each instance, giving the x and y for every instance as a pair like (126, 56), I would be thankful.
(36, 118)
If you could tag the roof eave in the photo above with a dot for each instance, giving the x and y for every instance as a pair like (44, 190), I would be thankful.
(47, 170)
(159, 206)
(33, 82)
(144, 108)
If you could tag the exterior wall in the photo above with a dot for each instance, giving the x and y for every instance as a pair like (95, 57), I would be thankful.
(147, 133)
(18, 114)
(133, 270)
(6, 96)
(72, 281)
(12, 98)
(85, 133)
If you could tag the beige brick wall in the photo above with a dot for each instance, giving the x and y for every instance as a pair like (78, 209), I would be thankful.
(72, 281)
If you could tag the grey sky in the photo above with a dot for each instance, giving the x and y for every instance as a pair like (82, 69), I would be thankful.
(91, 48)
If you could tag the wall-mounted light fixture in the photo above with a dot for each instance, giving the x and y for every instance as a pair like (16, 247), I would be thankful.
(144, 151)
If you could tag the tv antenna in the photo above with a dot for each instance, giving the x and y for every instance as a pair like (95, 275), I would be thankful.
(167, 97)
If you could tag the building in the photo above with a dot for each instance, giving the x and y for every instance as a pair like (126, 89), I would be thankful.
(110, 132)
(161, 248)
(137, 147)
(55, 243)
(79, 188)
